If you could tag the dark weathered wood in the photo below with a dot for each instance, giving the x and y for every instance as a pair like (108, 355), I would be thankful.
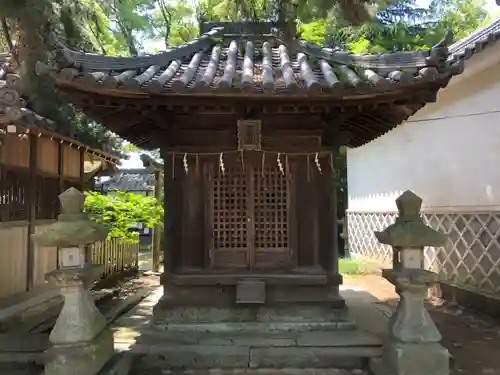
(193, 245)
(232, 279)
(32, 209)
(169, 216)
(157, 233)
(333, 267)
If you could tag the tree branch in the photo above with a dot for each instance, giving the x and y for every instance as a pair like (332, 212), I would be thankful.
(8, 39)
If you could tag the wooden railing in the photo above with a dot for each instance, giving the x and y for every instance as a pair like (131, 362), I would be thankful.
(115, 255)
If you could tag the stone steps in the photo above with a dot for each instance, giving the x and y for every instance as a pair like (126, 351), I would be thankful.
(232, 350)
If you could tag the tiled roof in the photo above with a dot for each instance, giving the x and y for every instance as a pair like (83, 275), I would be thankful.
(13, 110)
(224, 59)
(475, 42)
(134, 180)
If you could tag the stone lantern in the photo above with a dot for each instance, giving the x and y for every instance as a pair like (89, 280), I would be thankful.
(82, 344)
(413, 347)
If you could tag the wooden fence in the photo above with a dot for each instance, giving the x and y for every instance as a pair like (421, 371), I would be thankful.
(116, 256)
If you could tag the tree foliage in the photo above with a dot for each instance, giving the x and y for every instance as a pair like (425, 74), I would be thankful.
(135, 27)
(122, 211)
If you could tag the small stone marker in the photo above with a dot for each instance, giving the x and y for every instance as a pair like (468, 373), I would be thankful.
(413, 347)
(82, 344)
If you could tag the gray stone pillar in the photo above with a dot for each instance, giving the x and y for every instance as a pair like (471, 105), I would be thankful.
(82, 343)
(413, 346)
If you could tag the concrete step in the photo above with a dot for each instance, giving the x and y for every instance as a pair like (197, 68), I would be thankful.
(169, 350)
(247, 371)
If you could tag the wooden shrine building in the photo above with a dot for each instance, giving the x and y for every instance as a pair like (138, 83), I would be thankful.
(249, 123)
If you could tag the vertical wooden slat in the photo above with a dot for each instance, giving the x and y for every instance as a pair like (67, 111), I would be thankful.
(250, 215)
(293, 214)
(334, 260)
(32, 191)
(169, 215)
(208, 219)
(157, 229)
(314, 212)
(13, 258)
(82, 169)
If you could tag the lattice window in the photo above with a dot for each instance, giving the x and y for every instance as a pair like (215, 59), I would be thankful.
(230, 210)
(270, 205)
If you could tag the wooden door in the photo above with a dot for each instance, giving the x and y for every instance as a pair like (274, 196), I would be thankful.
(250, 219)
(230, 220)
(270, 204)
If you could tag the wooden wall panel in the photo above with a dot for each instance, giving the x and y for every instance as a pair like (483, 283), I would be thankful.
(71, 161)
(15, 151)
(45, 260)
(48, 155)
(13, 258)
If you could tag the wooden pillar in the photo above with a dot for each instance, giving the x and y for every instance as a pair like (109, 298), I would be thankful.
(82, 169)
(168, 217)
(32, 205)
(157, 229)
(60, 169)
(333, 268)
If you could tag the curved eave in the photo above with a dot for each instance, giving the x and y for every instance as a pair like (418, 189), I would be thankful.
(428, 79)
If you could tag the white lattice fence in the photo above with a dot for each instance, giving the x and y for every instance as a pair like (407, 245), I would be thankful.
(471, 257)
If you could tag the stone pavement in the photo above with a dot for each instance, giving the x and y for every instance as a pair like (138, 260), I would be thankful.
(473, 340)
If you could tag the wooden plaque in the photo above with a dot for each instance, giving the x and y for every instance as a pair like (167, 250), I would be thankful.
(249, 135)
(250, 292)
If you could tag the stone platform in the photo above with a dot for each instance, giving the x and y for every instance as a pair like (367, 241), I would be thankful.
(299, 340)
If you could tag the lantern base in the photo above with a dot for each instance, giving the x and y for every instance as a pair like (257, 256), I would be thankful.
(412, 359)
(85, 358)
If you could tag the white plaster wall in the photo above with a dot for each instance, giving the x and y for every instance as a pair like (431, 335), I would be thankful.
(448, 153)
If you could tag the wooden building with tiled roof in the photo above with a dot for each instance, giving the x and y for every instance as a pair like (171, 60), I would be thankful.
(249, 124)
(36, 164)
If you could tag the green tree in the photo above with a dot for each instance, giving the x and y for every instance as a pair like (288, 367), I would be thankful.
(174, 22)
(122, 211)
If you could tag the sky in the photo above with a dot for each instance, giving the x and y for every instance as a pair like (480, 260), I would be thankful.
(135, 162)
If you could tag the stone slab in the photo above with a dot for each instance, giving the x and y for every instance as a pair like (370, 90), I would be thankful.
(24, 342)
(267, 371)
(165, 315)
(190, 356)
(253, 327)
(310, 357)
(338, 339)
(254, 341)
(119, 364)
(412, 359)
